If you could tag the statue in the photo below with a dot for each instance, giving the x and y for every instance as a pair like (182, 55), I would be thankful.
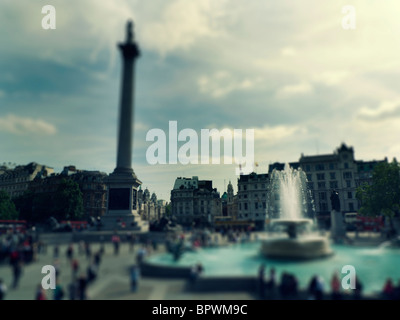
(129, 32)
(335, 202)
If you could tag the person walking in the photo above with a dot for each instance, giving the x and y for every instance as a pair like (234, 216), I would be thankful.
(335, 287)
(115, 239)
(40, 293)
(261, 281)
(58, 291)
(3, 289)
(135, 275)
(17, 272)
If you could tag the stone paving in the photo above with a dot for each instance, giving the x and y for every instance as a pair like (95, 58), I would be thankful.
(113, 278)
(112, 282)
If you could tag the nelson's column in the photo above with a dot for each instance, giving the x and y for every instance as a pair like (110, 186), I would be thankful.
(122, 184)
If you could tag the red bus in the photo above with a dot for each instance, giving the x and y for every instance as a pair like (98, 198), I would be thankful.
(370, 223)
(17, 225)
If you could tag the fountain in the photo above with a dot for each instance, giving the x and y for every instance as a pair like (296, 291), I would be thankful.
(293, 215)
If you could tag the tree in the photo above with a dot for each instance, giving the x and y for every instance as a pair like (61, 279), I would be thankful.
(68, 201)
(7, 207)
(382, 197)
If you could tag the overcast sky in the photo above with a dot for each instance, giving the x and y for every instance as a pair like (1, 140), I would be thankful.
(287, 69)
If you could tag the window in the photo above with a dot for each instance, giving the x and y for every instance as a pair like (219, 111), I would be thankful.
(348, 183)
(308, 167)
(245, 187)
(264, 205)
(321, 185)
(320, 176)
(347, 175)
(319, 167)
(323, 206)
(256, 186)
(256, 205)
(333, 184)
(240, 206)
(263, 186)
(309, 177)
(310, 185)
(346, 165)
(331, 166)
(332, 175)
(245, 196)
(245, 206)
(349, 195)
(322, 196)
(351, 206)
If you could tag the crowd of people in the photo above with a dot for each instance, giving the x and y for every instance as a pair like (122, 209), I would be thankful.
(317, 288)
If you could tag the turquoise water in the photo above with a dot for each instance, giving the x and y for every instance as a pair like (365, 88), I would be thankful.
(373, 265)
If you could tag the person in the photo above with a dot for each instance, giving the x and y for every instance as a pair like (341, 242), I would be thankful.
(135, 274)
(115, 239)
(335, 287)
(82, 284)
(58, 291)
(91, 272)
(56, 252)
(261, 280)
(193, 274)
(358, 289)
(3, 289)
(70, 252)
(141, 255)
(97, 259)
(75, 267)
(397, 291)
(312, 287)
(388, 289)
(319, 288)
(88, 251)
(73, 289)
(40, 293)
(271, 283)
(17, 271)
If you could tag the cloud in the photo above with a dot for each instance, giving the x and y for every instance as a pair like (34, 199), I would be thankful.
(276, 133)
(288, 52)
(26, 126)
(182, 23)
(295, 89)
(331, 78)
(222, 83)
(386, 110)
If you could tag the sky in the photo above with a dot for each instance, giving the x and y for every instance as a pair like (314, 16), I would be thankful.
(288, 70)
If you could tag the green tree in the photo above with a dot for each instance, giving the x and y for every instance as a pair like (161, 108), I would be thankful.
(23, 204)
(7, 207)
(382, 197)
(68, 201)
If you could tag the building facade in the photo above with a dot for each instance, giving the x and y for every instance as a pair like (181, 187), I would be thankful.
(16, 181)
(195, 202)
(252, 198)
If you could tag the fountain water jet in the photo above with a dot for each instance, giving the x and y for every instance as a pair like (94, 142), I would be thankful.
(292, 210)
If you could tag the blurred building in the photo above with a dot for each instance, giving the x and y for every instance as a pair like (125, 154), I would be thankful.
(252, 199)
(91, 183)
(149, 207)
(16, 181)
(195, 202)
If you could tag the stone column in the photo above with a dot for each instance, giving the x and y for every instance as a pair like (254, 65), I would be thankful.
(122, 184)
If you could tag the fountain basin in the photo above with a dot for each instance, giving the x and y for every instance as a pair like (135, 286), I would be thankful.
(310, 247)
(299, 244)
